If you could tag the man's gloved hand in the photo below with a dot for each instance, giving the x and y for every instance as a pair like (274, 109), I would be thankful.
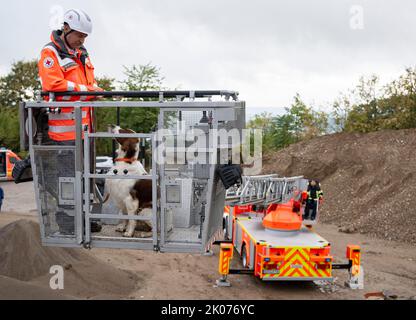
(53, 110)
(98, 89)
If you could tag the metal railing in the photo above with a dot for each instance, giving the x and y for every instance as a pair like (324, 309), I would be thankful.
(264, 189)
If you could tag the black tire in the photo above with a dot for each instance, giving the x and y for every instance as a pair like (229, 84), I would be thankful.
(244, 258)
(225, 228)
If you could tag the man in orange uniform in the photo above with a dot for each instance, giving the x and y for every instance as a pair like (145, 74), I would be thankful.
(64, 65)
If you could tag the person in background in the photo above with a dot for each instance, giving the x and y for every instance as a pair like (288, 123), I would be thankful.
(1, 197)
(314, 195)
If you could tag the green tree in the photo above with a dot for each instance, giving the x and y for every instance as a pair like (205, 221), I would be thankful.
(303, 122)
(299, 122)
(16, 86)
(106, 83)
(399, 109)
(138, 78)
(141, 78)
(19, 84)
(301, 118)
(341, 108)
(9, 129)
(365, 114)
(263, 121)
(283, 131)
(318, 125)
(372, 107)
(105, 117)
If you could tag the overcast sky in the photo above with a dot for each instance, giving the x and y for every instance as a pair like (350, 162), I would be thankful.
(267, 50)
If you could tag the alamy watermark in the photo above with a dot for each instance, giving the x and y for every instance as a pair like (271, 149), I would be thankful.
(196, 146)
(57, 17)
(57, 280)
(357, 17)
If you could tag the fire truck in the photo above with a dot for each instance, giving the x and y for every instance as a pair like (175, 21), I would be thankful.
(7, 160)
(264, 222)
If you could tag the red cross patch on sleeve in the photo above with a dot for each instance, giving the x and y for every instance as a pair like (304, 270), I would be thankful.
(48, 62)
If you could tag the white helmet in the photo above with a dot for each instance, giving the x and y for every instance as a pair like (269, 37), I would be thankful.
(78, 20)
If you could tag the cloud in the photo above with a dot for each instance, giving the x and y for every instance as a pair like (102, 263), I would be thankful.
(267, 50)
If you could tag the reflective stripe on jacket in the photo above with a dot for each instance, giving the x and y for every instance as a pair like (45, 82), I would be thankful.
(61, 70)
(315, 194)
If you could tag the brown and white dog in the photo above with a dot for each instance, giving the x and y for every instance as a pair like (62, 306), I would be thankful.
(131, 196)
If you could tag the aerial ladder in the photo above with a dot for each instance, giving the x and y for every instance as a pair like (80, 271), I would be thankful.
(263, 223)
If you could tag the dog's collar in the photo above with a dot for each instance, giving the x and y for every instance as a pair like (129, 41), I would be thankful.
(127, 160)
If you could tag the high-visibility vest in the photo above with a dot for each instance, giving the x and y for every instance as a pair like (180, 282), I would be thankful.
(61, 70)
(319, 194)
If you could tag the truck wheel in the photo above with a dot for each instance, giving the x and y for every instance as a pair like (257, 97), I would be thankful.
(225, 228)
(244, 256)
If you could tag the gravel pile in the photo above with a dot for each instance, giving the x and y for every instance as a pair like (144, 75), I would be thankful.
(369, 180)
(24, 261)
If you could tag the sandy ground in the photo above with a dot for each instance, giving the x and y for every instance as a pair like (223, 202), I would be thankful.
(148, 275)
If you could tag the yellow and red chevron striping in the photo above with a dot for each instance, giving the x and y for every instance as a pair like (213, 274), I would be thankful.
(225, 262)
(300, 258)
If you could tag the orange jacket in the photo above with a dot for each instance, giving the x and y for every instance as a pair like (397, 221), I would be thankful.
(62, 70)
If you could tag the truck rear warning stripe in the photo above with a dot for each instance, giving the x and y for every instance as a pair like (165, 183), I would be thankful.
(298, 265)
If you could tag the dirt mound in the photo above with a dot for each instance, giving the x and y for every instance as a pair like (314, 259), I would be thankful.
(369, 180)
(23, 257)
(13, 289)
